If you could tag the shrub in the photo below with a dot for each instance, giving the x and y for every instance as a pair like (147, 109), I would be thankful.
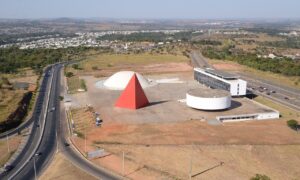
(260, 177)
(75, 66)
(61, 98)
(79, 134)
(95, 68)
(292, 124)
(69, 74)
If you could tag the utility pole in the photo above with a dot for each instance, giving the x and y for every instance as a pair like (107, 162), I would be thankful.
(191, 165)
(56, 141)
(123, 164)
(8, 149)
(85, 138)
(34, 168)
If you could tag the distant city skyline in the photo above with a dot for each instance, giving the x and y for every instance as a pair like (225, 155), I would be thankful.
(154, 9)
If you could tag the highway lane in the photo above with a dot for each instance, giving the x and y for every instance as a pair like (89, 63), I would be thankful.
(35, 132)
(198, 60)
(36, 110)
(72, 154)
(282, 94)
(40, 150)
(46, 149)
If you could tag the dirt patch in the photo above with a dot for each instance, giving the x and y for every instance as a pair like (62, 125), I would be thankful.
(227, 66)
(62, 169)
(166, 68)
(14, 143)
(209, 162)
(29, 79)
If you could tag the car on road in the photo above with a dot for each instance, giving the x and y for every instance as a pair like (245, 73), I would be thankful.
(38, 154)
(286, 98)
(67, 144)
(8, 168)
(52, 109)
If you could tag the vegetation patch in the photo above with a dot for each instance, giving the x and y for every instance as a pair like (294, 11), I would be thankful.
(75, 84)
(16, 117)
(293, 124)
(105, 61)
(283, 66)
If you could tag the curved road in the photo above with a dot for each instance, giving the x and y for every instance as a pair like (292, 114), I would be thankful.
(46, 135)
(36, 111)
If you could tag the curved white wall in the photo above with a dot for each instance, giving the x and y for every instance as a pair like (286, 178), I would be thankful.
(210, 103)
(119, 80)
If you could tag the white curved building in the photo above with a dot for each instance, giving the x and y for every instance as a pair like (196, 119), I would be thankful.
(119, 80)
(211, 99)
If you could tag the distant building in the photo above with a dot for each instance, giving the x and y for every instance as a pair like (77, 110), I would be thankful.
(221, 80)
(272, 56)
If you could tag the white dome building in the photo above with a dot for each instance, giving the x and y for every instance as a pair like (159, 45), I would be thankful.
(211, 99)
(119, 80)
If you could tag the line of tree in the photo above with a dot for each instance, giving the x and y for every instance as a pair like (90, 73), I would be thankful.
(13, 58)
(207, 42)
(148, 36)
(285, 66)
(288, 43)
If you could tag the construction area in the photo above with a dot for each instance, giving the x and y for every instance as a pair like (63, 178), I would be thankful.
(160, 137)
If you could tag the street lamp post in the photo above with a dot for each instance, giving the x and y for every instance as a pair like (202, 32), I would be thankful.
(8, 149)
(34, 169)
(123, 164)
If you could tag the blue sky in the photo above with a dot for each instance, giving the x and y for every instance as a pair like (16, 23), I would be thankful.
(185, 9)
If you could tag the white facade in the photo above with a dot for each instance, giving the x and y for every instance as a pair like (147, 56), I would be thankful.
(236, 86)
(247, 117)
(268, 114)
(208, 103)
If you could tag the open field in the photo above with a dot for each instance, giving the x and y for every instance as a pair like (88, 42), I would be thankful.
(173, 162)
(61, 169)
(160, 140)
(84, 120)
(75, 84)
(163, 151)
(9, 100)
(285, 112)
(13, 145)
(106, 64)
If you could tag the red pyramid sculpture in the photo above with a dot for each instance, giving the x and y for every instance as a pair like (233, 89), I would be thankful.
(133, 97)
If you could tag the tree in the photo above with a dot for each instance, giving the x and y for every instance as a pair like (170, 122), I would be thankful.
(75, 66)
(95, 68)
(69, 74)
(260, 177)
(292, 124)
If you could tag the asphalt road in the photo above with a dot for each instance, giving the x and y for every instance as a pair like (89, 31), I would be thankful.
(36, 111)
(23, 164)
(41, 146)
(277, 92)
(73, 155)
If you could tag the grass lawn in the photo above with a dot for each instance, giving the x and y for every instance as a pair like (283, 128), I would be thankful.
(105, 61)
(75, 83)
(290, 81)
(285, 112)
(13, 145)
(8, 102)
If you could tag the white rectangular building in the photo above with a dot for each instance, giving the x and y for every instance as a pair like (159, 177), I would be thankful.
(221, 80)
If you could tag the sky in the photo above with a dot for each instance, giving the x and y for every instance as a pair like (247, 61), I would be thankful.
(150, 9)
